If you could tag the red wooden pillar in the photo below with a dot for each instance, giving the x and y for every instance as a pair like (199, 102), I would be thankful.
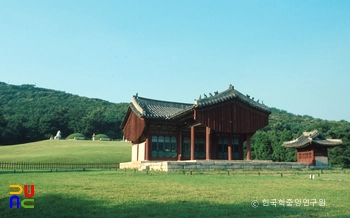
(192, 143)
(207, 143)
(229, 148)
(148, 145)
(179, 146)
(298, 156)
(248, 146)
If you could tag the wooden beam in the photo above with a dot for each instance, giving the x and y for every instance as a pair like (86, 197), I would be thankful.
(179, 146)
(147, 146)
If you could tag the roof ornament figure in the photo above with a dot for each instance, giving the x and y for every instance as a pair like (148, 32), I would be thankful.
(210, 95)
(253, 98)
(248, 96)
(231, 87)
(137, 95)
(200, 97)
(216, 93)
(205, 95)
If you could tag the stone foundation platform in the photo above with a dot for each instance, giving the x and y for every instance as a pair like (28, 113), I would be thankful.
(213, 165)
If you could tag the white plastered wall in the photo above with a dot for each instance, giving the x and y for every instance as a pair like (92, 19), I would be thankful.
(138, 152)
(142, 151)
(134, 152)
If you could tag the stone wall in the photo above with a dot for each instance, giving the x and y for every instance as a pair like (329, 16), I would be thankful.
(213, 164)
(321, 161)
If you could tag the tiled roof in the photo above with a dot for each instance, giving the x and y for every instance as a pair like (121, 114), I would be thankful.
(228, 94)
(150, 108)
(311, 137)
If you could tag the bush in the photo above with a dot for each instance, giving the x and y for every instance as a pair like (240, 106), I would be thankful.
(72, 136)
(98, 136)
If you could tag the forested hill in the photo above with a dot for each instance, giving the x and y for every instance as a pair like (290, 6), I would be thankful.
(28, 113)
(284, 126)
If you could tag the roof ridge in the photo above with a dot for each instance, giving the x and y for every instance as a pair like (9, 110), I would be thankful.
(162, 101)
(311, 134)
(153, 108)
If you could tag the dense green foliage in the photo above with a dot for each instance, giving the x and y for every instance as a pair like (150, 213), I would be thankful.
(284, 126)
(28, 113)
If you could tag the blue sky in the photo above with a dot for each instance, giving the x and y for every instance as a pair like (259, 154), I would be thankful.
(293, 55)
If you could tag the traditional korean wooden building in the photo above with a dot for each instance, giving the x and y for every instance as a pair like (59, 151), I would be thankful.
(312, 147)
(214, 127)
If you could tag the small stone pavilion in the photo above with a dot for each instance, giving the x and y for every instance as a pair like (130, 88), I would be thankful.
(312, 148)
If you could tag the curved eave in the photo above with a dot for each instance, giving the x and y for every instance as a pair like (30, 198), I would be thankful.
(138, 110)
(328, 142)
(296, 144)
(319, 143)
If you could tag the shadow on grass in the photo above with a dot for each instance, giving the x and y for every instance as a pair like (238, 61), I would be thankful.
(55, 205)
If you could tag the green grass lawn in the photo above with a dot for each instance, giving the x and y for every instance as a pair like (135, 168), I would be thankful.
(96, 193)
(67, 151)
(160, 194)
